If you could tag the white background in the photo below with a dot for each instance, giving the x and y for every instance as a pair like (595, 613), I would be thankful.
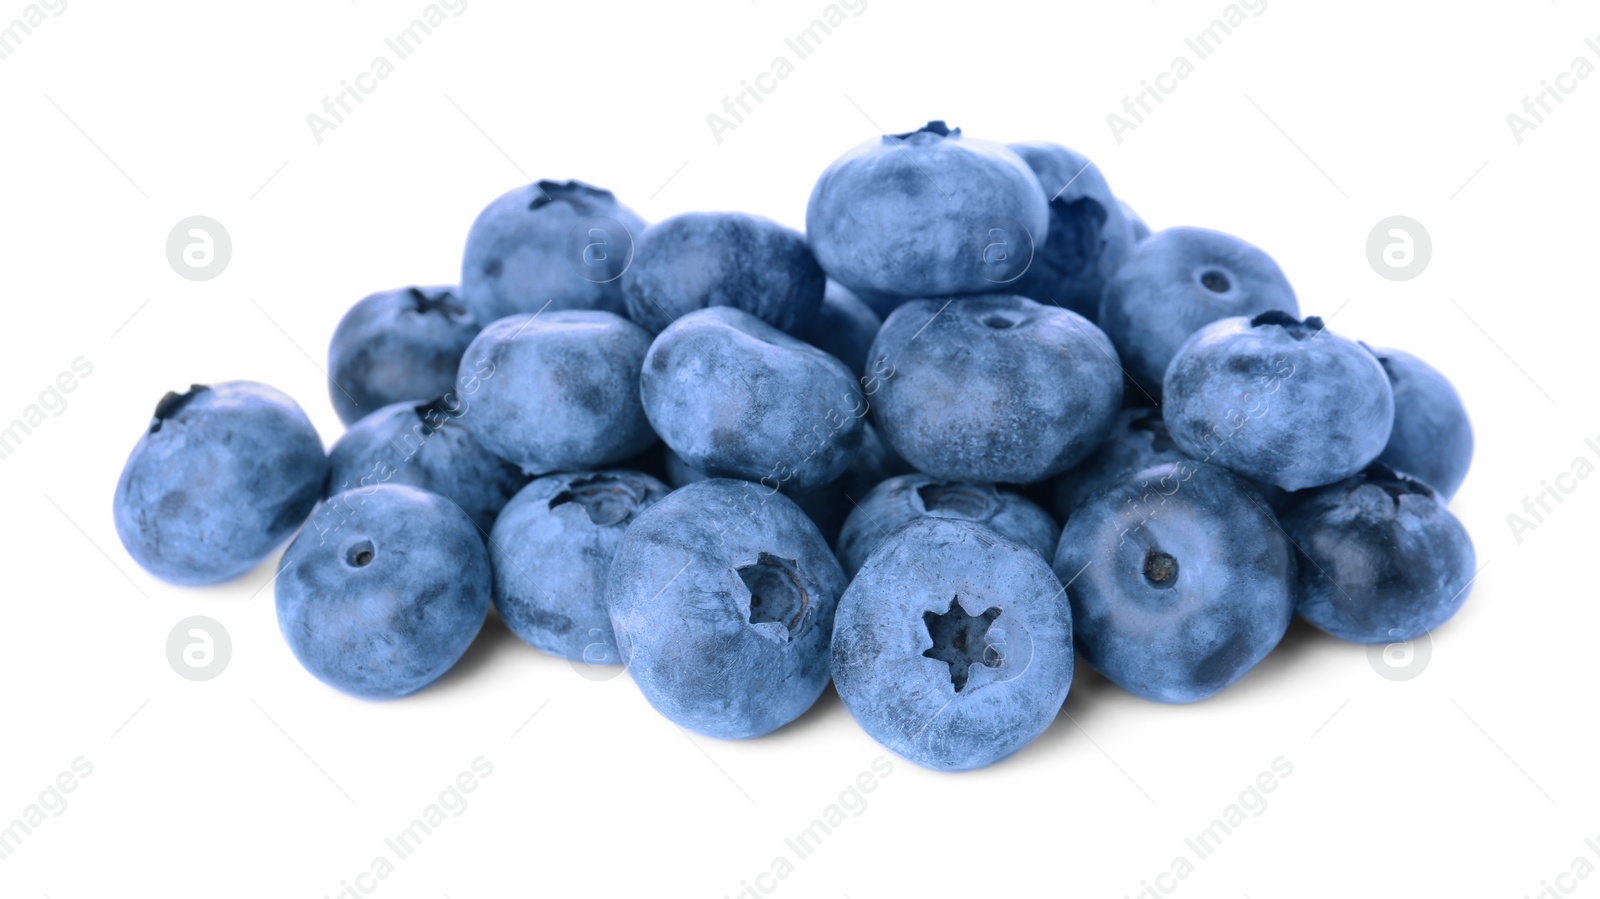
(1304, 129)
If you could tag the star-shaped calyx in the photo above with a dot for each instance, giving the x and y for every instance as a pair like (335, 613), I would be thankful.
(961, 640)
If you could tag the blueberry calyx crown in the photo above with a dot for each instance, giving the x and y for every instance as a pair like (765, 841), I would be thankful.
(961, 641)
(1216, 280)
(173, 403)
(606, 500)
(1002, 319)
(1394, 483)
(444, 301)
(937, 126)
(1160, 568)
(583, 196)
(434, 414)
(1296, 328)
(776, 594)
(974, 502)
(360, 555)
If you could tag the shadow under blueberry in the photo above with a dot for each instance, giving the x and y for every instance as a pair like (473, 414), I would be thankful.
(825, 713)
(494, 639)
(1092, 692)
(1297, 645)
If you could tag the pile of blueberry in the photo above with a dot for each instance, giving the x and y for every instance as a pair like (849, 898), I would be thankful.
(975, 420)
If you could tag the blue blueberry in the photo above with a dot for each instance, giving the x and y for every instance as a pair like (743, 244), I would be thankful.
(550, 245)
(551, 552)
(223, 474)
(1278, 400)
(558, 391)
(1141, 231)
(1180, 580)
(1089, 234)
(736, 397)
(877, 462)
(681, 473)
(1382, 559)
(953, 646)
(397, 346)
(910, 497)
(722, 598)
(1138, 440)
(1176, 283)
(702, 259)
(1432, 436)
(430, 447)
(926, 213)
(383, 590)
(844, 327)
(828, 505)
(993, 388)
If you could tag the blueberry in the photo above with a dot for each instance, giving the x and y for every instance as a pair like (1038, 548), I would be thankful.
(831, 504)
(1141, 231)
(1382, 560)
(550, 245)
(1181, 580)
(910, 497)
(1278, 400)
(1432, 436)
(828, 505)
(383, 590)
(681, 473)
(953, 646)
(1138, 440)
(397, 346)
(222, 475)
(702, 259)
(551, 553)
(877, 462)
(926, 213)
(844, 327)
(430, 447)
(1177, 282)
(558, 391)
(993, 388)
(1089, 235)
(722, 598)
(736, 397)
